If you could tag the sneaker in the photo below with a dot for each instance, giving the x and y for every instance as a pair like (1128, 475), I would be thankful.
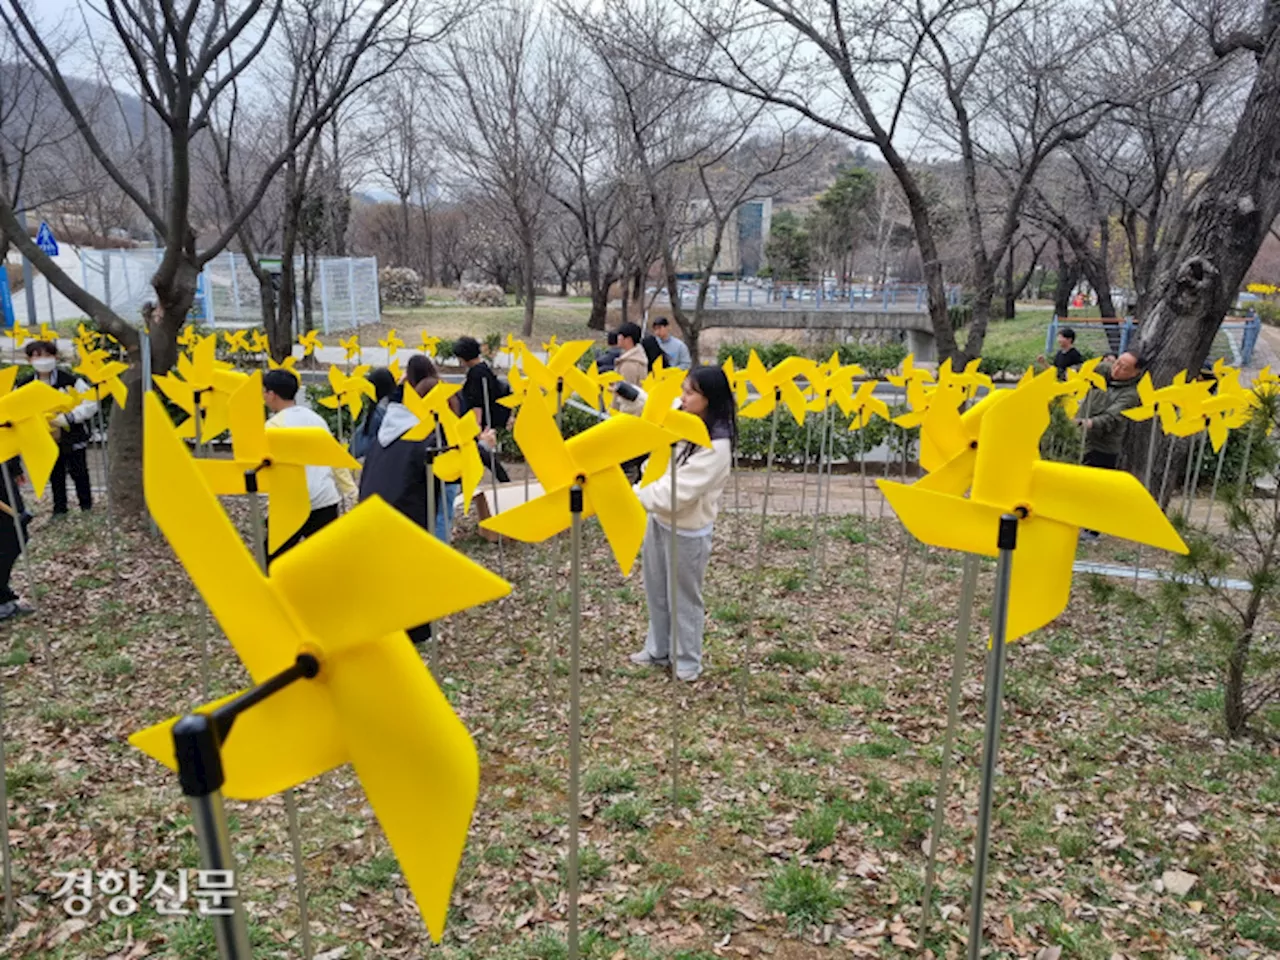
(688, 676)
(14, 608)
(642, 659)
(1089, 536)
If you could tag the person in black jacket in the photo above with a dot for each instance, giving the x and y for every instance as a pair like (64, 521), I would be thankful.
(10, 548)
(384, 384)
(1067, 356)
(608, 357)
(71, 429)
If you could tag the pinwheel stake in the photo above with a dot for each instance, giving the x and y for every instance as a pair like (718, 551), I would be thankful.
(673, 645)
(4, 823)
(1146, 482)
(744, 677)
(968, 584)
(1213, 493)
(804, 464)
(1006, 542)
(575, 702)
(493, 474)
(197, 743)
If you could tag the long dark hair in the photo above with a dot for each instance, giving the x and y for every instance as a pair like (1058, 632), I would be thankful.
(652, 349)
(721, 416)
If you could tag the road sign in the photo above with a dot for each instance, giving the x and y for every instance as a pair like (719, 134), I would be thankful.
(45, 240)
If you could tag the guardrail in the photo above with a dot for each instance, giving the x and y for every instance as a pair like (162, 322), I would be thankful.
(1120, 330)
(869, 296)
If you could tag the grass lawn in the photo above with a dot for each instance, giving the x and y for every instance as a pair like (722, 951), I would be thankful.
(800, 821)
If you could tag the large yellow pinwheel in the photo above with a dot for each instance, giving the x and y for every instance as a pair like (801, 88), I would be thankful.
(660, 410)
(258, 342)
(20, 334)
(461, 462)
(1153, 402)
(349, 390)
(778, 384)
(738, 382)
(602, 385)
(350, 346)
(189, 337)
(560, 376)
(48, 333)
(104, 375)
(551, 346)
(310, 342)
(373, 704)
(430, 344)
(205, 380)
(289, 363)
(910, 372)
(278, 457)
(1078, 384)
(86, 339)
(391, 343)
(24, 425)
(237, 341)
(1052, 500)
(592, 459)
(429, 410)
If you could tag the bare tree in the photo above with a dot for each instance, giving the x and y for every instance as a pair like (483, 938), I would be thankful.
(404, 162)
(504, 93)
(180, 57)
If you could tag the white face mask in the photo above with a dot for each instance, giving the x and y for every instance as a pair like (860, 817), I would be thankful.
(44, 364)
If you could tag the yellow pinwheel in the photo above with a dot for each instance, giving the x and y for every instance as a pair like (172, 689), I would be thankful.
(289, 363)
(1266, 382)
(776, 385)
(862, 404)
(511, 347)
(430, 344)
(20, 334)
(1151, 403)
(1078, 384)
(279, 458)
(24, 425)
(661, 411)
(310, 342)
(189, 337)
(551, 346)
(205, 381)
(349, 390)
(104, 375)
(391, 343)
(237, 341)
(602, 385)
(373, 703)
(910, 373)
(592, 459)
(48, 333)
(1052, 500)
(560, 376)
(519, 387)
(86, 339)
(393, 368)
(258, 342)
(350, 346)
(461, 462)
(738, 382)
(429, 410)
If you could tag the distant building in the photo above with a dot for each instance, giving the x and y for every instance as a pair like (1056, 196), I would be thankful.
(741, 247)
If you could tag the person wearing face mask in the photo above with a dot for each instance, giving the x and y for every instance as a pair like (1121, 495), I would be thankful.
(700, 481)
(70, 429)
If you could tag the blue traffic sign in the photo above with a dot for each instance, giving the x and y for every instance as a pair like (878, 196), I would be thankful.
(6, 299)
(45, 240)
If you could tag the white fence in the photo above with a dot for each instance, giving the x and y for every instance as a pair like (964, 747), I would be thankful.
(344, 294)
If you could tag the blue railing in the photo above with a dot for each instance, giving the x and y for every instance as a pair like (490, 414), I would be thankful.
(867, 296)
(1120, 333)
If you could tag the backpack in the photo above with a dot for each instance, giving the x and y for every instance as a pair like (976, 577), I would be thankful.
(499, 416)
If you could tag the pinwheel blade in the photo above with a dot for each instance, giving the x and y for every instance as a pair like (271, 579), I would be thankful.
(1110, 501)
(8, 376)
(290, 501)
(244, 411)
(39, 451)
(415, 760)
(656, 465)
(621, 515)
(187, 513)
(945, 521)
(536, 520)
(543, 448)
(953, 477)
(1010, 442)
(287, 739)
(309, 446)
(614, 441)
(1041, 583)
(362, 539)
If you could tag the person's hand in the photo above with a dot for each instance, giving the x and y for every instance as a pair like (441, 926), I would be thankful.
(61, 422)
(489, 438)
(1041, 360)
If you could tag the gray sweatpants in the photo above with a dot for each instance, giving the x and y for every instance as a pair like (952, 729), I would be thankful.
(692, 554)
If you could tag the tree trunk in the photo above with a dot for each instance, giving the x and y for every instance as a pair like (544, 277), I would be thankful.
(1010, 294)
(1234, 713)
(528, 284)
(1068, 274)
(1219, 235)
(308, 278)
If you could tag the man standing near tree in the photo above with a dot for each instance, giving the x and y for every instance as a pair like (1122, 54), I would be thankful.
(1067, 356)
(673, 348)
(1102, 417)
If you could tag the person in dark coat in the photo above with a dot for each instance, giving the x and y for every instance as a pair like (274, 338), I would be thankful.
(362, 436)
(71, 429)
(10, 548)
(606, 358)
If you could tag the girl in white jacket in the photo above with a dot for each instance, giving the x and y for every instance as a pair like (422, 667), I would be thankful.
(701, 476)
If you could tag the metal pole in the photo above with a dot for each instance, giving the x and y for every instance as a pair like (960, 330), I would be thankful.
(200, 773)
(105, 450)
(1244, 468)
(1186, 475)
(4, 827)
(208, 629)
(28, 279)
(674, 636)
(968, 583)
(745, 674)
(1195, 476)
(575, 705)
(902, 588)
(1168, 464)
(258, 531)
(48, 289)
(432, 650)
(804, 464)
(1217, 476)
(1007, 541)
(1146, 482)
